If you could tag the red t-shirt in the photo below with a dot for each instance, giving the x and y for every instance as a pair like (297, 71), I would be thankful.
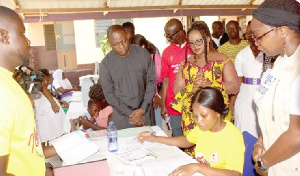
(171, 59)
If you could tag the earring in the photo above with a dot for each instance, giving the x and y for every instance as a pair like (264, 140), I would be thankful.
(284, 48)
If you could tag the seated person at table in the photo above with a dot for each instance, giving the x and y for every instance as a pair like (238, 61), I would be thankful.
(87, 121)
(219, 144)
(63, 85)
(97, 96)
(50, 124)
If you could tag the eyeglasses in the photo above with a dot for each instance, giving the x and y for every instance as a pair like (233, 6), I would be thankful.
(171, 35)
(198, 42)
(257, 39)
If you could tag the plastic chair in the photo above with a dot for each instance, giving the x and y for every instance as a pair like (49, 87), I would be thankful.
(249, 141)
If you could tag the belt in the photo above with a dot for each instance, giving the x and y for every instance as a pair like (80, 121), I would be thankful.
(251, 81)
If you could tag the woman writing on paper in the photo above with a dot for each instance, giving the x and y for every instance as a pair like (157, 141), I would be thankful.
(219, 144)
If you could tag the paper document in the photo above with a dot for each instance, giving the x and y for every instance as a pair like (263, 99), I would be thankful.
(74, 147)
(157, 167)
(132, 133)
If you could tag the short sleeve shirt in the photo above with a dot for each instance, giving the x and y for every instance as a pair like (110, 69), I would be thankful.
(223, 150)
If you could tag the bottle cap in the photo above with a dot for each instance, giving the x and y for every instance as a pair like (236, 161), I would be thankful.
(111, 122)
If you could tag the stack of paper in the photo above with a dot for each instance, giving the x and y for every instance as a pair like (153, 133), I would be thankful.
(74, 147)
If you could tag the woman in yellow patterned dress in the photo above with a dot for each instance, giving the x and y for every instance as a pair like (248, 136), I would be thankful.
(206, 68)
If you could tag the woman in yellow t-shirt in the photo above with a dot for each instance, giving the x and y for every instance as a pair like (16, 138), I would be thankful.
(219, 144)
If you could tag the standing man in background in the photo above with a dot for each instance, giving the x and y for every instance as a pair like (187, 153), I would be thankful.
(235, 44)
(20, 150)
(127, 76)
(172, 57)
(232, 48)
(219, 36)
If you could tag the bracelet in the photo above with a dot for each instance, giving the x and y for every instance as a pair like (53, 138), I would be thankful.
(259, 144)
(158, 96)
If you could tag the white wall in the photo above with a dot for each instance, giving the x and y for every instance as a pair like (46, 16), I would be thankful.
(85, 42)
(35, 33)
(209, 20)
(153, 30)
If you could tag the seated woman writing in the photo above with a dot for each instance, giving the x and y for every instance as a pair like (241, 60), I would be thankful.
(63, 85)
(219, 144)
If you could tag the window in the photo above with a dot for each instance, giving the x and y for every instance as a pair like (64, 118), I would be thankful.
(50, 41)
(101, 27)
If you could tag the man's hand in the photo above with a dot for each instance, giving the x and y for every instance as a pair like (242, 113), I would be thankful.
(136, 115)
(157, 102)
(163, 110)
(139, 123)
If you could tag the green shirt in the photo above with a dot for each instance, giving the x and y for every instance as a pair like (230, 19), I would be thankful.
(232, 50)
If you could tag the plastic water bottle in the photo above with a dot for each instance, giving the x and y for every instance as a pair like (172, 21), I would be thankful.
(168, 121)
(112, 137)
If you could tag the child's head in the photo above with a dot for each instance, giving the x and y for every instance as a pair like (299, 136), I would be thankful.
(208, 108)
(93, 108)
(97, 96)
(46, 79)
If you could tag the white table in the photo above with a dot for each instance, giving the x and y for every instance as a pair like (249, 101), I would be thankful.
(76, 107)
(149, 166)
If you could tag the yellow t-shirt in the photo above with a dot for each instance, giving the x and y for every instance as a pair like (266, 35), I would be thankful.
(223, 150)
(18, 135)
(232, 50)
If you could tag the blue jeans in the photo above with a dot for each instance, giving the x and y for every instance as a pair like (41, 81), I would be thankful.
(158, 118)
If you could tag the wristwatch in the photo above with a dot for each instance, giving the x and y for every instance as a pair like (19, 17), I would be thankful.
(260, 164)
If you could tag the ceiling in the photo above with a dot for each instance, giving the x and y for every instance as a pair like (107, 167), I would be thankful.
(33, 8)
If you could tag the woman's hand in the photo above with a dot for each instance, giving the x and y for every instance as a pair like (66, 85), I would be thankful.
(258, 151)
(145, 136)
(261, 172)
(200, 82)
(185, 170)
(55, 107)
(75, 88)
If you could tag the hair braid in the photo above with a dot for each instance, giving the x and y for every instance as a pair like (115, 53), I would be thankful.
(96, 92)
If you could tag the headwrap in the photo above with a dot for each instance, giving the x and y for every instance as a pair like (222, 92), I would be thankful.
(277, 18)
(58, 81)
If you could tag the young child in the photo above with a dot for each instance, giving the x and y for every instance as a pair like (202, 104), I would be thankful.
(97, 96)
(87, 120)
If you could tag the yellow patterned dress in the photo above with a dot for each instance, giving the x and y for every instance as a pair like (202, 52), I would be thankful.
(182, 102)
